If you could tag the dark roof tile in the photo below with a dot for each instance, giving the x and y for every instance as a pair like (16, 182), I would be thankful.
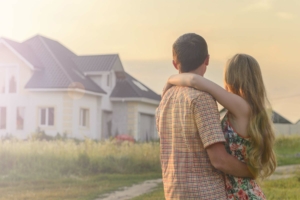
(59, 69)
(95, 63)
(278, 119)
(129, 87)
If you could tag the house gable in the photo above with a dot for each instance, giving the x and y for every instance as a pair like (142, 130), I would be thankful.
(117, 66)
(24, 53)
(12, 62)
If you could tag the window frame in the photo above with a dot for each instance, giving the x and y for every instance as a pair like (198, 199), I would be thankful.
(85, 111)
(47, 116)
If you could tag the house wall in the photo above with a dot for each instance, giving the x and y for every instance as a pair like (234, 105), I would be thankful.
(101, 80)
(93, 130)
(66, 117)
(120, 118)
(134, 117)
(287, 129)
(32, 102)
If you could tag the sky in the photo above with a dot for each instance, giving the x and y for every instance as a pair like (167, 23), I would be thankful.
(142, 33)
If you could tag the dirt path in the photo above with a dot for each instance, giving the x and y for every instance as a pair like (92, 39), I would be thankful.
(131, 192)
(284, 172)
(147, 186)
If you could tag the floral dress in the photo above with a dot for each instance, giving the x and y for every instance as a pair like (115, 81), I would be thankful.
(239, 188)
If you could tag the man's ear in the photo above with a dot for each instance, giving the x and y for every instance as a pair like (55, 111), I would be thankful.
(206, 61)
(175, 65)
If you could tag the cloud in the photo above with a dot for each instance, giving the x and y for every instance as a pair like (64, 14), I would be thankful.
(285, 15)
(260, 5)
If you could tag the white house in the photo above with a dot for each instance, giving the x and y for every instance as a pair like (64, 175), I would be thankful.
(43, 84)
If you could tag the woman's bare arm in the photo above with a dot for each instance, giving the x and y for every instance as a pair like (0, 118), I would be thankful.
(167, 86)
(232, 102)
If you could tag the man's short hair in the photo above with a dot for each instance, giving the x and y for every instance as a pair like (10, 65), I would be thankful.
(191, 51)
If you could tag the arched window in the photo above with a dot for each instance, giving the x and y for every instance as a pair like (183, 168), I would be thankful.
(8, 79)
(12, 85)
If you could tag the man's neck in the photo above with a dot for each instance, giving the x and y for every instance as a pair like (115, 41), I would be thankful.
(197, 71)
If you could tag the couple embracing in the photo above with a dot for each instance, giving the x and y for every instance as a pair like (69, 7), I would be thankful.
(201, 157)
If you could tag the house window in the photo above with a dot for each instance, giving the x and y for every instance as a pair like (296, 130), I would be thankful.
(20, 118)
(2, 117)
(8, 79)
(84, 117)
(47, 116)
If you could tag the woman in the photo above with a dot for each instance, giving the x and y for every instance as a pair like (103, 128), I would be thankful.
(246, 126)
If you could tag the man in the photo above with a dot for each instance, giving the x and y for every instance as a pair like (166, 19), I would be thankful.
(192, 142)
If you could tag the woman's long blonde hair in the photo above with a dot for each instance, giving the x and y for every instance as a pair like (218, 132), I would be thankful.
(243, 77)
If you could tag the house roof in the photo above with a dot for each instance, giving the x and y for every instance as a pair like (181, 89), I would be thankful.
(278, 119)
(96, 62)
(129, 87)
(60, 68)
(59, 71)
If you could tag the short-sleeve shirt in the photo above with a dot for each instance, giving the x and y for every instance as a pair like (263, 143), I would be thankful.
(188, 121)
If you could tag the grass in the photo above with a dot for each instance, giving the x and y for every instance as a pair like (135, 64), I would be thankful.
(83, 170)
(282, 189)
(75, 188)
(65, 170)
(287, 149)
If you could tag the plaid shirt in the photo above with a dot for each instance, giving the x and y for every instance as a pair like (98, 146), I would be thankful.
(188, 121)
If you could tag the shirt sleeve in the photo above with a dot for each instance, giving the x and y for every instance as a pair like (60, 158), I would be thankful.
(207, 119)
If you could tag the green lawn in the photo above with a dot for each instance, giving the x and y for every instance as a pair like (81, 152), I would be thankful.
(72, 188)
(288, 150)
